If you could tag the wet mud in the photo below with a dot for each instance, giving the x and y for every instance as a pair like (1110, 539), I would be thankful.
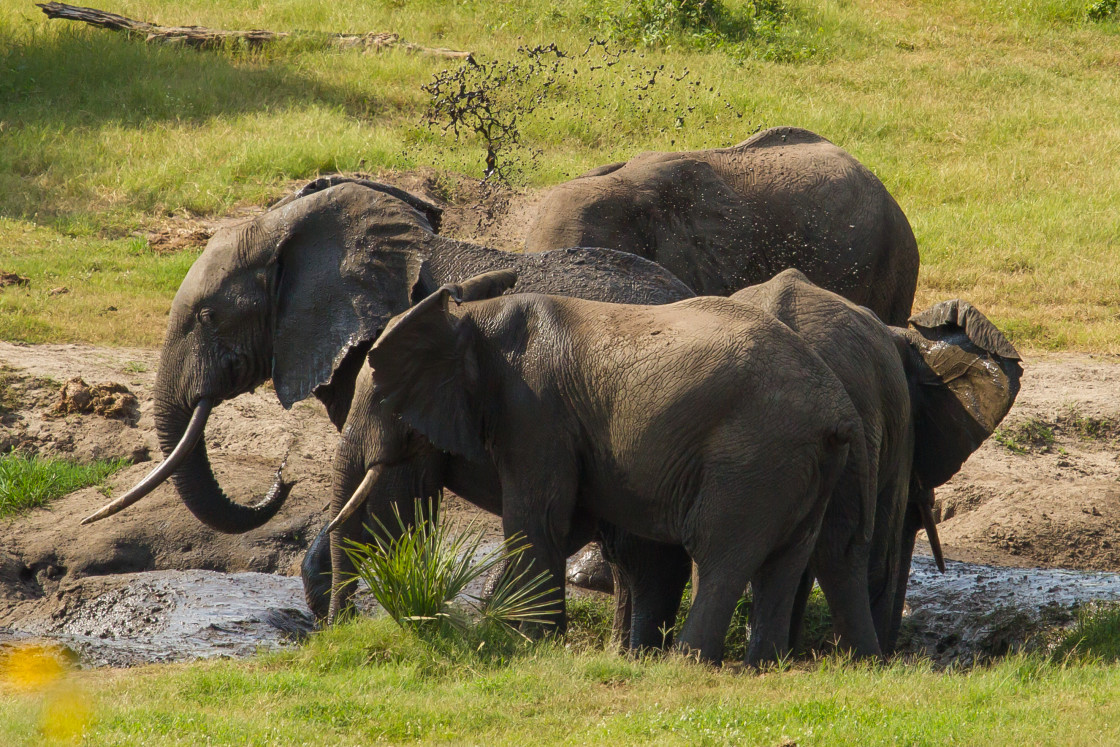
(165, 616)
(977, 612)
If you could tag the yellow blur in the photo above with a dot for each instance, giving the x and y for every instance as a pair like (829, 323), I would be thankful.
(42, 672)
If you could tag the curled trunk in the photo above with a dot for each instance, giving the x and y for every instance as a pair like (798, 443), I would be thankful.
(199, 489)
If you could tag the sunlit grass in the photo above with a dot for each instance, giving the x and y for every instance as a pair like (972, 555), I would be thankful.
(993, 124)
(374, 681)
(29, 481)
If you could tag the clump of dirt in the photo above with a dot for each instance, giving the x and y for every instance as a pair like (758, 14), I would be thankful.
(10, 278)
(109, 400)
(166, 239)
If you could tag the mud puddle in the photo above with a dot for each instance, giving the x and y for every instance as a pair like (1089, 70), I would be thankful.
(970, 613)
(165, 616)
(976, 612)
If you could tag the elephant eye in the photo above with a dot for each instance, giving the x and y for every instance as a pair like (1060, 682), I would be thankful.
(206, 317)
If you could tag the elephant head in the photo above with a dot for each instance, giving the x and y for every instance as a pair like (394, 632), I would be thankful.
(291, 295)
(425, 363)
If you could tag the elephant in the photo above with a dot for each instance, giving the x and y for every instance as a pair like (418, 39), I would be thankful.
(728, 218)
(704, 424)
(927, 397)
(298, 294)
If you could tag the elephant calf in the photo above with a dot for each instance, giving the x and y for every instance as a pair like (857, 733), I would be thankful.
(705, 424)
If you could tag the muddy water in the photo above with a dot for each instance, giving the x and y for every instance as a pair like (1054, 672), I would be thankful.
(164, 616)
(970, 612)
(980, 611)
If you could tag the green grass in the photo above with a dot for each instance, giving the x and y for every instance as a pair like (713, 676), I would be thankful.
(1094, 637)
(373, 681)
(29, 481)
(993, 124)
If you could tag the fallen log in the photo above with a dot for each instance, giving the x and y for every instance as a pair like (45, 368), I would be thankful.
(202, 37)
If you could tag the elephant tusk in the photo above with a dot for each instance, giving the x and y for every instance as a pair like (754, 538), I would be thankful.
(354, 503)
(931, 534)
(185, 446)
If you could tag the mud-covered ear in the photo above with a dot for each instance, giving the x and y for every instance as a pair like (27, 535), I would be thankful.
(425, 369)
(344, 266)
(964, 378)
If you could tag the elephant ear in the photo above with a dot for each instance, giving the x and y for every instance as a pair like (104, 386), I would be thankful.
(965, 377)
(347, 262)
(425, 369)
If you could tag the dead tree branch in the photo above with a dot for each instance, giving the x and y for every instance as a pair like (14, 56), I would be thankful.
(201, 37)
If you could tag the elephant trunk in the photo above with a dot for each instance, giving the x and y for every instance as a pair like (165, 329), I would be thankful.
(155, 478)
(197, 486)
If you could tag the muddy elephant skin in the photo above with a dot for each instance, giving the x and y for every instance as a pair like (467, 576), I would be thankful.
(732, 455)
(927, 397)
(727, 218)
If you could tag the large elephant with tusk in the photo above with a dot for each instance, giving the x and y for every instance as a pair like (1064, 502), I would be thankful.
(298, 295)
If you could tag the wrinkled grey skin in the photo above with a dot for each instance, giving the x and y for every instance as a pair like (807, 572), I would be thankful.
(705, 424)
(727, 218)
(927, 398)
(298, 295)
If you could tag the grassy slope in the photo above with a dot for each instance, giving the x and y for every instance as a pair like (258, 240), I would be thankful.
(375, 683)
(992, 123)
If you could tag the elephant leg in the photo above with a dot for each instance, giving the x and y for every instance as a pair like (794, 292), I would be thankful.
(655, 575)
(844, 583)
(315, 570)
(544, 516)
(913, 523)
(721, 580)
(800, 602)
(623, 607)
(774, 591)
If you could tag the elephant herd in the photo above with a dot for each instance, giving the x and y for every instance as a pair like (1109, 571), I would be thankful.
(789, 423)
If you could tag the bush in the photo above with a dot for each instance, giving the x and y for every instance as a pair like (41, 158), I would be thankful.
(419, 576)
(696, 23)
(1101, 10)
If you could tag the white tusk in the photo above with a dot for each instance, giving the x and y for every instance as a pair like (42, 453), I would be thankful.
(186, 445)
(354, 503)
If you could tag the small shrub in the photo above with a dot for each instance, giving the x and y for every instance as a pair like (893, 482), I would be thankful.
(419, 575)
(590, 621)
(27, 481)
(1101, 10)
(1030, 435)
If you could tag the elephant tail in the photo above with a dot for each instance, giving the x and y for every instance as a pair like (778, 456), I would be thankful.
(928, 523)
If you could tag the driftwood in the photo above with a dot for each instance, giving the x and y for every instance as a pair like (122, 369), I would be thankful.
(206, 38)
